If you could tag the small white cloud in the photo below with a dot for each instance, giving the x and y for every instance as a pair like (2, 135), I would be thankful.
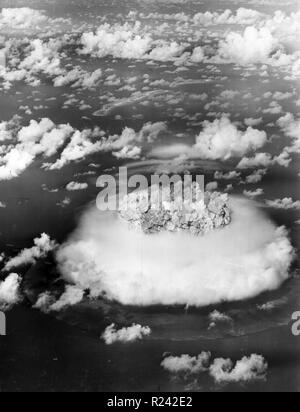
(164, 52)
(64, 203)
(128, 153)
(42, 246)
(274, 304)
(79, 78)
(242, 16)
(217, 317)
(223, 371)
(70, 297)
(9, 291)
(47, 303)
(246, 370)
(254, 194)
(291, 128)
(198, 55)
(227, 176)
(131, 334)
(75, 186)
(44, 302)
(265, 160)
(253, 122)
(187, 365)
(286, 204)
(256, 176)
(259, 160)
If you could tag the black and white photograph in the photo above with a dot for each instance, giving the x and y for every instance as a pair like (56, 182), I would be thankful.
(149, 198)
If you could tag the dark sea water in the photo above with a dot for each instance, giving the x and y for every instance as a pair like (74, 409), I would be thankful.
(45, 354)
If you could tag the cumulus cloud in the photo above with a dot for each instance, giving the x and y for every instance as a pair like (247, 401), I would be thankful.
(253, 122)
(5, 133)
(270, 40)
(38, 138)
(217, 317)
(110, 259)
(42, 246)
(164, 52)
(10, 291)
(70, 297)
(118, 41)
(253, 46)
(273, 304)
(128, 138)
(286, 27)
(259, 160)
(35, 130)
(127, 145)
(187, 365)
(128, 153)
(78, 148)
(221, 139)
(125, 335)
(223, 371)
(21, 18)
(44, 138)
(28, 59)
(44, 301)
(287, 204)
(227, 176)
(246, 370)
(47, 303)
(128, 42)
(14, 163)
(266, 40)
(74, 186)
(256, 176)
(265, 160)
(291, 128)
(253, 194)
(79, 78)
(242, 16)
(42, 57)
(198, 55)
